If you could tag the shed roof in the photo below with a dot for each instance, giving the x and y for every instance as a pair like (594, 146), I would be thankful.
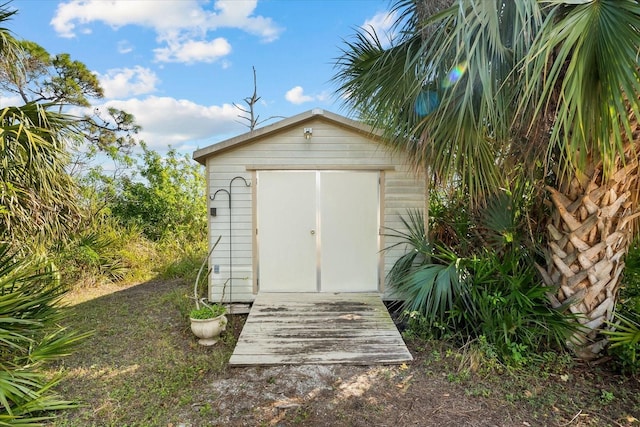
(247, 138)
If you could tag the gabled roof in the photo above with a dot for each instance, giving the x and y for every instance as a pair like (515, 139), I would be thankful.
(247, 138)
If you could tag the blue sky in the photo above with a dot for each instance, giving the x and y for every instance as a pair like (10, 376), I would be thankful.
(179, 65)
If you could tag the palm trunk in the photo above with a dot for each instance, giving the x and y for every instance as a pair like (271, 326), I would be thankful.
(589, 236)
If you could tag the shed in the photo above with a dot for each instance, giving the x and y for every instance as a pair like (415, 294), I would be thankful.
(303, 205)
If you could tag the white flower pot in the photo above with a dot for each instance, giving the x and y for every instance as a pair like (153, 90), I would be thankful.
(208, 330)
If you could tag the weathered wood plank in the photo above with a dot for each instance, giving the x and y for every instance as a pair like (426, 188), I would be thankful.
(268, 359)
(318, 328)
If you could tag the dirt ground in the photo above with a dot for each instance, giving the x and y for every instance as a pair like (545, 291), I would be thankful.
(423, 393)
(345, 395)
(443, 386)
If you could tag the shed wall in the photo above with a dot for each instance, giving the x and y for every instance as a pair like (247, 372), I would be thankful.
(331, 147)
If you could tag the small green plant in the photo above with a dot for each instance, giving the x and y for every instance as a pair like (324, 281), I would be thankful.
(205, 410)
(606, 397)
(459, 377)
(421, 327)
(625, 342)
(208, 311)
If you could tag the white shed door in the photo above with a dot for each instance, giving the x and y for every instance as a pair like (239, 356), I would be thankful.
(287, 231)
(349, 231)
(318, 231)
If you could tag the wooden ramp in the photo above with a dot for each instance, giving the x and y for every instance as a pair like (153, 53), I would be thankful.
(319, 328)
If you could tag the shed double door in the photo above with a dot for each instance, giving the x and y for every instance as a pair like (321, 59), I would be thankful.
(318, 231)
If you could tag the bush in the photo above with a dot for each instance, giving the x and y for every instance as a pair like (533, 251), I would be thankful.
(507, 305)
(147, 221)
(103, 250)
(31, 336)
(166, 199)
(625, 333)
(492, 291)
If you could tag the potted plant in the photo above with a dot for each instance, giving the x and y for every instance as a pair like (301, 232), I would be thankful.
(208, 320)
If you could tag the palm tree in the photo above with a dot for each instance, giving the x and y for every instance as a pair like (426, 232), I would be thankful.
(480, 90)
(37, 195)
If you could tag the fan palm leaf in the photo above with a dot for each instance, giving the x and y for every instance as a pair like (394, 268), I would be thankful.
(30, 335)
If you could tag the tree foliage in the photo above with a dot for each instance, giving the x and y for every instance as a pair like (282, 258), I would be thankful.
(477, 87)
(58, 81)
(164, 198)
(38, 197)
(37, 76)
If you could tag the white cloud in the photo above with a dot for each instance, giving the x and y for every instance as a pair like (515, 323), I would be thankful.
(125, 82)
(177, 23)
(382, 24)
(164, 15)
(297, 96)
(193, 51)
(176, 122)
(10, 101)
(124, 47)
(237, 14)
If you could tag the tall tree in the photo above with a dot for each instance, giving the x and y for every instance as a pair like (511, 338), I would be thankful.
(486, 88)
(58, 81)
(37, 195)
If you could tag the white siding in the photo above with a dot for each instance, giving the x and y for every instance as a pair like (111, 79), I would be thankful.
(331, 147)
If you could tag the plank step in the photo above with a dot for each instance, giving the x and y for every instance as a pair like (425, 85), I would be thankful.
(319, 328)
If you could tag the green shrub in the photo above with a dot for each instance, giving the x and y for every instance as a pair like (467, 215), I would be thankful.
(625, 333)
(31, 336)
(491, 291)
(181, 257)
(103, 250)
(508, 306)
(165, 197)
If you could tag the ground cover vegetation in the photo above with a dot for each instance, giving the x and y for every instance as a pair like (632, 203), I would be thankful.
(146, 369)
(500, 267)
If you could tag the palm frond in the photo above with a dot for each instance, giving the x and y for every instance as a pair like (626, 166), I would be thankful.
(583, 66)
(464, 68)
(36, 193)
(431, 289)
(626, 332)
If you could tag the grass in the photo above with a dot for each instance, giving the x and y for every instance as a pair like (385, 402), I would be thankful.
(552, 392)
(143, 367)
(142, 361)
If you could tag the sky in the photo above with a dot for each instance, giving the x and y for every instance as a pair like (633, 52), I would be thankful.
(179, 65)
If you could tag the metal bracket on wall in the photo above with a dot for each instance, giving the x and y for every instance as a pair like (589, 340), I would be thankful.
(213, 197)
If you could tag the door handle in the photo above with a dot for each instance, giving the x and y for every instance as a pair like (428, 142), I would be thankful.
(313, 232)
